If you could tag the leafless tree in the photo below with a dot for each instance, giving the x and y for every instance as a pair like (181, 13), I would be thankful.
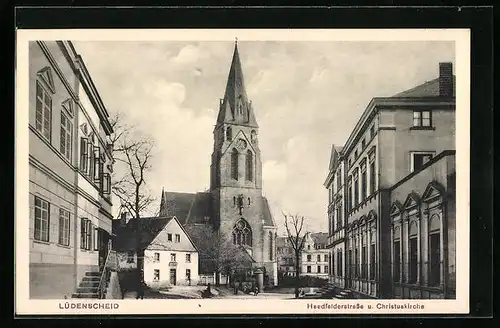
(132, 152)
(217, 251)
(294, 225)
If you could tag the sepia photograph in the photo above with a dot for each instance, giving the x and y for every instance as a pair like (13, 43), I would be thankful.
(281, 171)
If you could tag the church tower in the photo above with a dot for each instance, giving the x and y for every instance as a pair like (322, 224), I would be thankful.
(236, 169)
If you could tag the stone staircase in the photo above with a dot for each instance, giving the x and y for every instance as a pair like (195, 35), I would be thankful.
(88, 287)
(344, 294)
(330, 291)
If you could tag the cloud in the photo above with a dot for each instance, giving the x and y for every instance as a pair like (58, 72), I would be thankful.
(187, 55)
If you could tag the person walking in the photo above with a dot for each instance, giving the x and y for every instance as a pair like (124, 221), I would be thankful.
(140, 290)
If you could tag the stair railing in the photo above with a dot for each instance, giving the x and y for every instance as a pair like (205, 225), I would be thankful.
(110, 265)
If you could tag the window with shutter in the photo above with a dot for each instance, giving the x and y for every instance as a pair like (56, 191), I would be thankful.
(88, 230)
(96, 238)
(83, 154)
(82, 233)
(97, 162)
(90, 158)
(106, 184)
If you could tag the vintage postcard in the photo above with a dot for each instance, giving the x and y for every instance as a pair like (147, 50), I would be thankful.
(242, 171)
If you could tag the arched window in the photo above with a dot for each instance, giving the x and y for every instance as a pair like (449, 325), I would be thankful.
(271, 246)
(413, 253)
(234, 164)
(396, 250)
(249, 166)
(229, 133)
(242, 233)
(253, 136)
(434, 250)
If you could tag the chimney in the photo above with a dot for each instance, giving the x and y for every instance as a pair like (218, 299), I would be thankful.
(445, 79)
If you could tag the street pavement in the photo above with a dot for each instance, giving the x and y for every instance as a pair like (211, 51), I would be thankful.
(180, 292)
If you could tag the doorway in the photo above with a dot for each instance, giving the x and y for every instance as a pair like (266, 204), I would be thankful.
(173, 277)
(103, 242)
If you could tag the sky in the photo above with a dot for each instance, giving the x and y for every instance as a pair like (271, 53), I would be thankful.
(306, 97)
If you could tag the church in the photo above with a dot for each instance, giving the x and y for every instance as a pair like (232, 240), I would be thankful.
(234, 203)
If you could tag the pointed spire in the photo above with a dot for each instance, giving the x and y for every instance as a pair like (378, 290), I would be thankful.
(235, 107)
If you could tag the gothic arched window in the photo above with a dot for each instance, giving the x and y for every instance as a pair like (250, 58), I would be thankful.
(234, 164)
(229, 133)
(249, 166)
(271, 246)
(253, 136)
(242, 233)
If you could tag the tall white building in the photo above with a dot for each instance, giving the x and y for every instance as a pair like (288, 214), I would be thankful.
(70, 161)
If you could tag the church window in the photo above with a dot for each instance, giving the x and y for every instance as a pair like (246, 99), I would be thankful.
(242, 233)
(253, 136)
(271, 246)
(248, 201)
(249, 166)
(234, 164)
(229, 133)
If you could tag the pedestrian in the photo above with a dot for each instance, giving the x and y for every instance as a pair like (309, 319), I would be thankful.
(235, 287)
(140, 290)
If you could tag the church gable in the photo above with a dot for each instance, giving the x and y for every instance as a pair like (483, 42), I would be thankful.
(172, 238)
(237, 143)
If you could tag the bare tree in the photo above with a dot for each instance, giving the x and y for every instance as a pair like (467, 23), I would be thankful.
(294, 225)
(132, 151)
(217, 251)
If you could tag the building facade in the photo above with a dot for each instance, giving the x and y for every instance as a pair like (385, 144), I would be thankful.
(315, 257)
(395, 139)
(234, 204)
(336, 217)
(169, 256)
(70, 162)
(285, 256)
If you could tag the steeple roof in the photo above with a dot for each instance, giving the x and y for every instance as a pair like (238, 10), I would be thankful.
(235, 107)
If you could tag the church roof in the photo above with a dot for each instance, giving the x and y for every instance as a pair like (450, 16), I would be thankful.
(235, 96)
(200, 208)
(426, 89)
(178, 204)
(191, 208)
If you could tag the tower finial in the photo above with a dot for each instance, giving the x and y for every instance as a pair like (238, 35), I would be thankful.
(236, 40)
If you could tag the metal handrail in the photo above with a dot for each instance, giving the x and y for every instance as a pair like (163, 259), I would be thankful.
(105, 273)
